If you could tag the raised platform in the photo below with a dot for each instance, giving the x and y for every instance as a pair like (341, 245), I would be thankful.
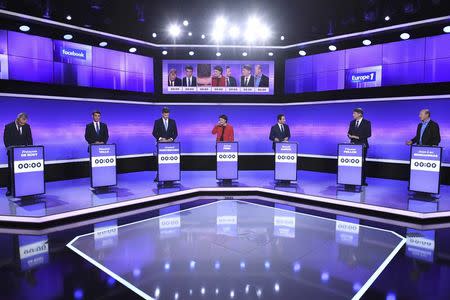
(74, 200)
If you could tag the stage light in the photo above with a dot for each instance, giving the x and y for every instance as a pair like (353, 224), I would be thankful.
(297, 267)
(276, 287)
(325, 276)
(332, 48)
(24, 28)
(264, 33)
(267, 265)
(185, 23)
(242, 265)
(103, 44)
(221, 22)
(167, 266)
(259, 293)
(136, 272)
(244, 53)
(174, 30)
(164, 52)
(189, 33)
(282, 37)
(217, 35)
(68, 37)
(217, 291)
(217, 263)
(154, 34)
(202, 290)
(250, 35)
(176, 296)
(447, 29)
(405, 36)
(192, 264)
(356, 286)
(247, 288)
(157, 292)
(132, 50)
(78, 294)
(391, 296)
(203, 36)
(191, 53)
(367, 42)
(302, 52)
(387, 18)
(270, 53)
(234, 32)
(218, 54)
(69, 17)
(232, 294)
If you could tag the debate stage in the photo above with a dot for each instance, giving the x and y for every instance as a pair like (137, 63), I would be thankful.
(74, 200)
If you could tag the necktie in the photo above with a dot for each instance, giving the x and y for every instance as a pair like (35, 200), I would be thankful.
(246, 81)
(282, 129)
(228, 81)
(357, 124)
(96, 128)
(165, 124)
(20, 130)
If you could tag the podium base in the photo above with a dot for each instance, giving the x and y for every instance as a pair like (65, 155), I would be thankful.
(225, 182)
(284, 182)
(166, 183)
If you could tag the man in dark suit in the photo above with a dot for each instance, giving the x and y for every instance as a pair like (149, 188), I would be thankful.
(230, 80)
(359, 132)
(427, 133)
(96, 132)
(279, 132)
(173, 80)
(165, 129)
(189, 79)
(16, 133)
(261, 80)
(247, 79)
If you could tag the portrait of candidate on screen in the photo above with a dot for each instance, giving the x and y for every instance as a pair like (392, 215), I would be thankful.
(173, 73)
(260, 71)
(189, 75)
(204, 75)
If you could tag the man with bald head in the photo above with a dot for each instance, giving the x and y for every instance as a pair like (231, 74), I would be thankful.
(427, 133)
(261, 80)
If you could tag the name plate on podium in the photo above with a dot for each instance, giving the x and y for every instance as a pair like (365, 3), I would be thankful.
(168, 161)
(27, 170)
(103, 165)
(425, 169)
(286, 161)
(350, 164)
(227, 160)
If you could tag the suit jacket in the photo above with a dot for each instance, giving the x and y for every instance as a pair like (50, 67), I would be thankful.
(12, 137)
(193, 81)
(431, 136)
(275, 132)
(91, 135)
(251, 81)
(264, 82)
(364, 132)
(228, 133)
(177, 82)
(159, 131)
(232, 81)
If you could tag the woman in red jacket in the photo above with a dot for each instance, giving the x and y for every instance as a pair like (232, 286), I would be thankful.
(224, 132)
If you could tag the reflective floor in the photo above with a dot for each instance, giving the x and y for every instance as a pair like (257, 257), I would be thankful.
(70, 195)
(234, 247)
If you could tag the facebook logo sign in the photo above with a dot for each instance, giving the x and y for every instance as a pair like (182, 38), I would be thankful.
(73, 53)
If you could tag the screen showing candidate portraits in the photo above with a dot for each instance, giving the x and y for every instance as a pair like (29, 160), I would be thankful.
(317, 127)
(32, 58)
(423, 60)
(227, 77)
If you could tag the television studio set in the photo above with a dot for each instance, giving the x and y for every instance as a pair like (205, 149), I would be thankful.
(202, 150)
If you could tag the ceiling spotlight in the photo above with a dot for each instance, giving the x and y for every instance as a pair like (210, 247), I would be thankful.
(405, 36)
(189, 33)
(185, 23)
(270, 53)
(234, 32)
(244, 53)
(203, 36)
(103, 44)
(174, 30)
(69, 17)
(367, 42)
(68, 36)
(217, 35)
(24, 28)
(132, 49)
(164, 52)
(154, 35)
(332, 48)
(264, 33)
(282, 37)
(191, 53)
(302, 52)
(221, 22)
(387, 18)
(447, 29)
(218, 54)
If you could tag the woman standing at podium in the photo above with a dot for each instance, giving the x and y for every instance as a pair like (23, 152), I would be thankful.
(224, 132)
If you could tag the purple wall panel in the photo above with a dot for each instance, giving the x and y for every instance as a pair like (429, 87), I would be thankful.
(31, 46)
(72, 74)
(326, 81)
(364, 57)
(404, 51)
(301, 65)
(108, 59)
(108, 79)
(331, 61)
(28, 69)
(404, 73)
(437, 47)
(437, 70)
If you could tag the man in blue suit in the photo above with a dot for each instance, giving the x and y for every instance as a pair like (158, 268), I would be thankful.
(359, 132)
(279, 132)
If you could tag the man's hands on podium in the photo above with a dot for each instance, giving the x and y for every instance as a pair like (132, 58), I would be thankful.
(164, 140)
(98, 143)
(353, 136)
(409, 143)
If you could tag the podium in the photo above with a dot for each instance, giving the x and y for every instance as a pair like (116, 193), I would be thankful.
(103, 165)
(168, 161)
(286, 161)
(350, 164)
(227, 160)
(27, 170)
(425, 169)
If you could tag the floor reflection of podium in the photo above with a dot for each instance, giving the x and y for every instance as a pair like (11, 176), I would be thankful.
(284, 221)
(352, 195)
(103, 196)
(29, 208)
(169, 222)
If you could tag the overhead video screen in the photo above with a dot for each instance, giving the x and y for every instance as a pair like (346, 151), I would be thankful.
(234, 77)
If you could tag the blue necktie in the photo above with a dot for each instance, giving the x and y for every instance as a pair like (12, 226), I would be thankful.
(96, 128)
